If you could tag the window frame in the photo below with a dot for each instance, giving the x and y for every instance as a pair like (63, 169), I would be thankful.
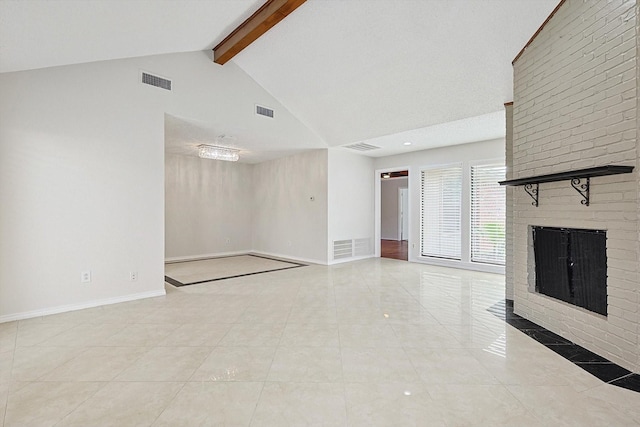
(479, 164)
(461, 167)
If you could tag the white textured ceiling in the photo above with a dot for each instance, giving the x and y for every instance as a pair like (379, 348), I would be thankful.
(435, 72)
(46, 33)
(472, 129)
(359, 69)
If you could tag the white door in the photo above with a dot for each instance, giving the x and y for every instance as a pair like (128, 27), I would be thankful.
(404, 214)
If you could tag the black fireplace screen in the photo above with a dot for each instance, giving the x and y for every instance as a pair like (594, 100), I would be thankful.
(571, 265)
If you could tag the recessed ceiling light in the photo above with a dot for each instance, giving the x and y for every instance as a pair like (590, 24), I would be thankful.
(386, 175)
(407, 143)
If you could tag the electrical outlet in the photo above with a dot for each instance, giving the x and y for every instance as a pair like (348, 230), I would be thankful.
(133, 276)
(85, 276)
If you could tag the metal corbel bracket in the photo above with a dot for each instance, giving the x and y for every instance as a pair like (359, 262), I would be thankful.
(582, 188)
(533, 192)
(580, 180)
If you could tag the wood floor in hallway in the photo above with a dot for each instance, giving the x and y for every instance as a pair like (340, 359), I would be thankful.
(396, 249)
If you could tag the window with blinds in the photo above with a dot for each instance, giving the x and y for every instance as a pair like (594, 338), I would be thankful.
(488, 214)
(441, 204)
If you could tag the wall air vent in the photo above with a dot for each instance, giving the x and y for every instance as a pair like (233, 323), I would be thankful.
(361, 146)
(342, 249)
(156, 81)
(361, 247)
(264, 111)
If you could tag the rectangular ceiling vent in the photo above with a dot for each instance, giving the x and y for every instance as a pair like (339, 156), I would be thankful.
(156, 81)
(361, 146)
(264, 111)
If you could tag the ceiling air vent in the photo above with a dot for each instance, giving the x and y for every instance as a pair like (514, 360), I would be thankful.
(156, 81)
(361, 146)
(264, 111)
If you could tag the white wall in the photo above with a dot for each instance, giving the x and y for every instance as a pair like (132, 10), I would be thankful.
(466, 154)
(208, 202)
(351, 195)
(389, 207)
(287, 222)
(81, 174)
(208, 207)
(82, 167)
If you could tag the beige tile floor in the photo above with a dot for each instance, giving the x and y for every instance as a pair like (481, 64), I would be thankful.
(372, 343)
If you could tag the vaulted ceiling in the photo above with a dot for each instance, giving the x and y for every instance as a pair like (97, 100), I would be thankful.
(385, 72)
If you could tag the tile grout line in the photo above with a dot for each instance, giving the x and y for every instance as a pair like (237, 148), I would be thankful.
(104, 384)
(273, 358)
(184, 384)
(13, 357)
(344, 385)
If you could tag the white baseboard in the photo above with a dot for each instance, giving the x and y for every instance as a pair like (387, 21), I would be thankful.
(80, 306)
(355, 258)
(205, 256)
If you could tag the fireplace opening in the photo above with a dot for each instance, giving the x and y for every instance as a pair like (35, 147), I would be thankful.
(571, 265)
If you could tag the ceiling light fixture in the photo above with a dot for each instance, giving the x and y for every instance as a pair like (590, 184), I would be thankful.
(218, 153)
(407, 143)
(386, 175)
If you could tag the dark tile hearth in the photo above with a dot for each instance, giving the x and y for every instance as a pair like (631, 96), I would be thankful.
(596, 365)
(577, 354)
(521, 323)
(546, 337)
(607, 372)
(630, 382)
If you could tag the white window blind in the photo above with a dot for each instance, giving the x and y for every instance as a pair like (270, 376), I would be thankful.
(441, 203)
(487, 214)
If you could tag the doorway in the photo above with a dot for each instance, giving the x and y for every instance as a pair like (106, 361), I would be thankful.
(394, 215)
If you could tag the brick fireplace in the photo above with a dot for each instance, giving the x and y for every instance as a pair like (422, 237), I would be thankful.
(575, 107)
